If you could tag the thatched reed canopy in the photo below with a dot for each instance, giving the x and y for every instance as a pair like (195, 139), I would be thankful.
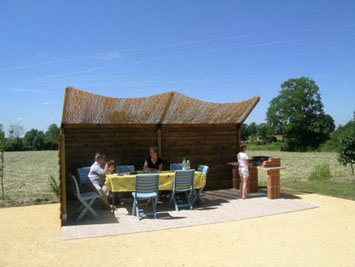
(169, 108)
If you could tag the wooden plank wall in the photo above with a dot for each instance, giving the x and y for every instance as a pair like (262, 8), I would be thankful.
(212, 145)
(126, 145)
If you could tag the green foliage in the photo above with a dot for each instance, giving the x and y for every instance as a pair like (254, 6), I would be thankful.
(50, 139)
(38, 140)
(276, 146)
(320, 173)
(2, 149)
(347, 152)
(334, 143)
(53, 185)
(297, 113)
(29, 138)
(244, 132)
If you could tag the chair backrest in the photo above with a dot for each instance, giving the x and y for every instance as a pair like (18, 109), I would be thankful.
(125, 168)
(175, 166)
(184, 179)
(75, 186)
(83, 173)
(203, 169)
(147, 183)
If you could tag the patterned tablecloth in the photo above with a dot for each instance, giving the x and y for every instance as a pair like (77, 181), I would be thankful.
(126, 183)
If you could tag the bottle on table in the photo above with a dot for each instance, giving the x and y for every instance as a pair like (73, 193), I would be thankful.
(184, 164)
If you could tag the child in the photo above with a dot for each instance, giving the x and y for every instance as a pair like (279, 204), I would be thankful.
(243, 170)
(111, 167)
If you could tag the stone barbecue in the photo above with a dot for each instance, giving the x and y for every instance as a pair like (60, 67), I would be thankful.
(270, 164)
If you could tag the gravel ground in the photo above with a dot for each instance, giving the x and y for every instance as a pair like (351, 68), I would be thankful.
(31, 236)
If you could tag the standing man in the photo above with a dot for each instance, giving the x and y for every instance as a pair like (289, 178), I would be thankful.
(97, 174)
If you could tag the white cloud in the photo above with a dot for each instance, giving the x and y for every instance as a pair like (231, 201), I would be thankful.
(19, 119)
(106, 56)
(69, 73)
(47, 103)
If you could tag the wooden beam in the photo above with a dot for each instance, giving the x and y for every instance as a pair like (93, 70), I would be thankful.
(66, 95)
(62, 177)
(239, 137)
(159, 140)
(166, 107)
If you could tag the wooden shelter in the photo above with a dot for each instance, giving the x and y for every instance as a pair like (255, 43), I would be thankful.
(125, 128)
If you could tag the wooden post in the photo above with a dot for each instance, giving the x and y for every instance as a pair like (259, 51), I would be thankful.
(62, 177)
(159, 140)
(239, 136)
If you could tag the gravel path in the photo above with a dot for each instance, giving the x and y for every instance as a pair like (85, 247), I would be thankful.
(31, 236)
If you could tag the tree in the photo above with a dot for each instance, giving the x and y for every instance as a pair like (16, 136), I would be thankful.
(264, 132)
(347, 152)
(244, 132)
(38, 141)
(334, 144)
(16, 131)
(29, 138)
(2, 133)
(50, 141)
(297, 113)
(2, 150)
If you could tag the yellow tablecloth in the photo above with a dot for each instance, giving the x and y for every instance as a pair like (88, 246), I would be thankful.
(126, 183)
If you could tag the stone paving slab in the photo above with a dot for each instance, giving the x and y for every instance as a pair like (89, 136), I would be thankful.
(220, 206)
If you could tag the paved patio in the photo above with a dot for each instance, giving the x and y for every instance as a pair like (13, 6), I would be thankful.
(221, 206)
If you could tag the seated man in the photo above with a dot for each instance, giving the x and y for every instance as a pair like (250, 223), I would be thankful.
(98, 171)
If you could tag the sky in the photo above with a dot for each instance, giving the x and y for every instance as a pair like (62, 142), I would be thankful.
(215, 51)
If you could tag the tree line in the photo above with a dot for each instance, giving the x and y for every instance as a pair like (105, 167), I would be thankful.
(32, 140)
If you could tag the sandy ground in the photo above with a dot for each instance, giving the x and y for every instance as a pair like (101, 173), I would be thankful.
(31, 236)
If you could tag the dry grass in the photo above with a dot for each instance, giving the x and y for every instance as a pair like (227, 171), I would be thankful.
(26, 177)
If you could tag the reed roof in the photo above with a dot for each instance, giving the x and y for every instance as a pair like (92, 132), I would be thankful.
(169, 108)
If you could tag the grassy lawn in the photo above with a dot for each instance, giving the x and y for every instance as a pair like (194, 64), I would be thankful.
(26, 175)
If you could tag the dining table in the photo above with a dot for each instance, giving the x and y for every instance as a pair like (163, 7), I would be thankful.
(125, 182)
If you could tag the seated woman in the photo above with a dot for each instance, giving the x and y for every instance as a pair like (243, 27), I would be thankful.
(153, 162)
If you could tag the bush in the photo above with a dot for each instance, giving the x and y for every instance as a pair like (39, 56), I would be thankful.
(54, 185)
(347, 152)
(320, 173)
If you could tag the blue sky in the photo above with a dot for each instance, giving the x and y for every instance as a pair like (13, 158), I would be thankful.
(216, 51)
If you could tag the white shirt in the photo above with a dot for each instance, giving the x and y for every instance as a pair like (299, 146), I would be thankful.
(242, 160)
(96, 174)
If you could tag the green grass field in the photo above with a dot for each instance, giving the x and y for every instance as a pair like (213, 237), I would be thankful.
(26, 175)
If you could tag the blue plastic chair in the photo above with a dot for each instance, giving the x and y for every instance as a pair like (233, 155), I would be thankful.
(83, 174)
(125, 168)
(147, 187)
(86, 199)
(183, 183)
(197, 197)
(175, 166)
